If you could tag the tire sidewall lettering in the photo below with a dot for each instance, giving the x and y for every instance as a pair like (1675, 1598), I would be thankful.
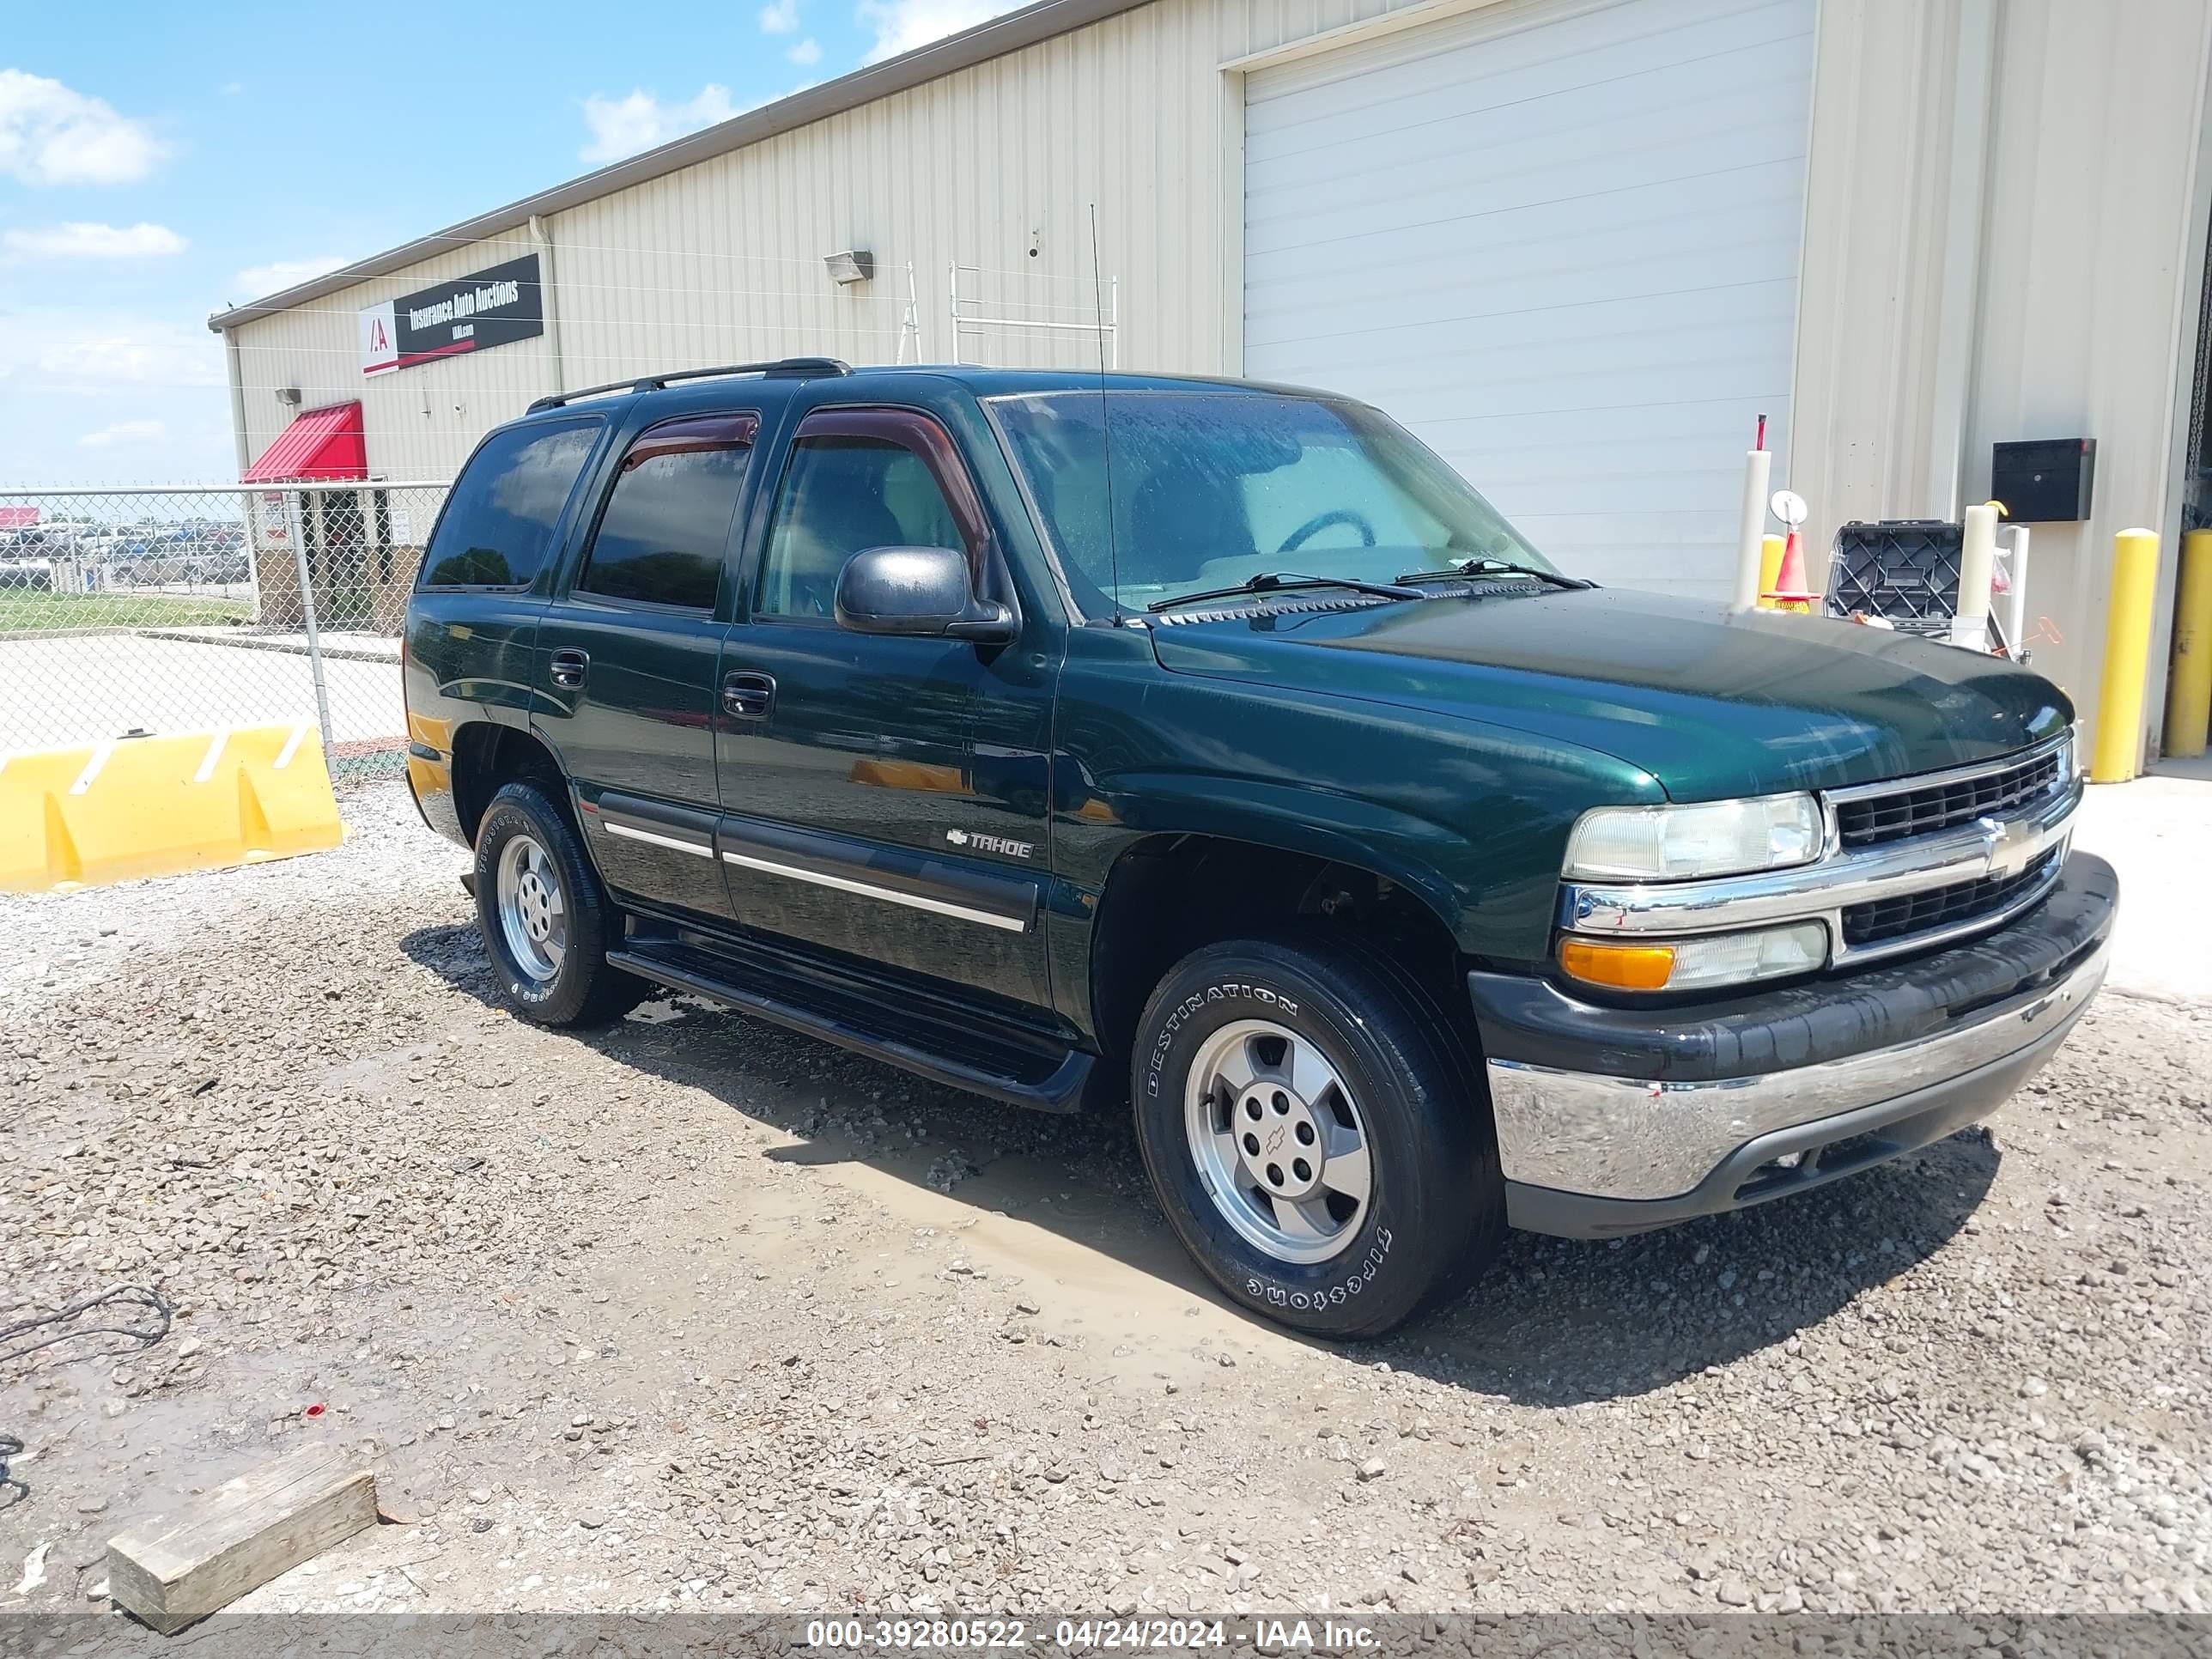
(1299, 1299)
(1225, 992)
(1327, 1286)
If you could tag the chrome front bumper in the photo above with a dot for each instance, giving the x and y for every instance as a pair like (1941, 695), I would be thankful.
(1586, 1152)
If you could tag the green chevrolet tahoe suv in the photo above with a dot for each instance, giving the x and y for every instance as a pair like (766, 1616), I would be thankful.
(1084, 740)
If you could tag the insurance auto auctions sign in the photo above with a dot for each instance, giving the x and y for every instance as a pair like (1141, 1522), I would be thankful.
(487, 308)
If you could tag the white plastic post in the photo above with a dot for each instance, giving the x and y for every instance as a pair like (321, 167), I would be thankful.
(1978, 558)
(952, 288)
(1758, 468)
(2016, 612)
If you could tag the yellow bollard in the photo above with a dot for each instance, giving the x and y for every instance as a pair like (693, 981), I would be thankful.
(2116, 753)
(1770, 569)
(2188, 684)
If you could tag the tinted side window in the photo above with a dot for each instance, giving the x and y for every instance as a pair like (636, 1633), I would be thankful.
(843, 495)
(498, 526)
(667, 521)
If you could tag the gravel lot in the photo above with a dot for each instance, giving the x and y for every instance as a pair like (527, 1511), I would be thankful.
(696, 1312)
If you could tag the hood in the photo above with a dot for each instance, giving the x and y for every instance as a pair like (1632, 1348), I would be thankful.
(1712, 702)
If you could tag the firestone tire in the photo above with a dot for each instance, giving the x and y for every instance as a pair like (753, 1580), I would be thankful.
(1387, 1075)
(544, 916)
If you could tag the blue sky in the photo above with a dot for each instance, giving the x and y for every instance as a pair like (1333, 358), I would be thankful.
(157, 163)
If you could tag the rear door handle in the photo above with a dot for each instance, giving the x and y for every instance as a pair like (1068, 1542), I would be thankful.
(569, 666)
(748, 696)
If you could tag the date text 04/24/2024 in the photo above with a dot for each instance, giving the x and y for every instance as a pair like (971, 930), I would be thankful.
(1080, 1635)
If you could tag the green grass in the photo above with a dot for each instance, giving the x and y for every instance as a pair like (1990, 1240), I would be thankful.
(25, 612)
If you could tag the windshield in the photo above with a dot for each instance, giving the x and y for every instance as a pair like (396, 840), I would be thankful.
(1212, 487)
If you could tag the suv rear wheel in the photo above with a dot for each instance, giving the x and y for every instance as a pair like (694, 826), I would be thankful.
(544, 917)
(1315, 1134)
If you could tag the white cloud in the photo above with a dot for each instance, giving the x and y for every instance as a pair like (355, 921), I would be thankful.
(780, 17)
(89, 395)
(51, 133)
(81, 240)
(807, 52)
(903, 25)
(232, 88)
(623, 126)
(125, 432)
(71, 349)
(257, 281)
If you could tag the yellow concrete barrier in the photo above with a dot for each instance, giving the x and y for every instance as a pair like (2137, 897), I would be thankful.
(159, 806)
(2189, 684)
(2116, 753)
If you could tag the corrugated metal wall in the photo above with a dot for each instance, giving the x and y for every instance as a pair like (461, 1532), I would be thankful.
(2084, 280)
(722, 262)
(2092, 270)
(2079, 292)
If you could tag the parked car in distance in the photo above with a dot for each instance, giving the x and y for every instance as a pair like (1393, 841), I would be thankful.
(29, 557)
(1215, 749)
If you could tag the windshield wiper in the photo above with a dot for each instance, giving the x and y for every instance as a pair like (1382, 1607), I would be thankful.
(1488, 567)
(1276, 581)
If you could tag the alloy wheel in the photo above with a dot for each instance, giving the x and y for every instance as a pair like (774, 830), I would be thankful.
(533, 916)
(1278, 1141)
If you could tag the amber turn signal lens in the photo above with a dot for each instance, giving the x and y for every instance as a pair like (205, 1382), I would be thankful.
(1623, 966)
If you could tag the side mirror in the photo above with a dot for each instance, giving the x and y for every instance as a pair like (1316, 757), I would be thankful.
(918, 591)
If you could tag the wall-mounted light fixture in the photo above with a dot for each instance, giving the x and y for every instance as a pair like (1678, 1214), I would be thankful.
(846, 269)
(289, 394)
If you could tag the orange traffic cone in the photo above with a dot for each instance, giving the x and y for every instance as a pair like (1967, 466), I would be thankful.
(1790, 591)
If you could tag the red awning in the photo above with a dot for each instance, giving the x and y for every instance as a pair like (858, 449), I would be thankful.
(320, 443)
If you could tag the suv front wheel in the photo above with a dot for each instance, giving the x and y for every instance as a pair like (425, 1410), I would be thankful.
(545, 918)
(1315, 1134)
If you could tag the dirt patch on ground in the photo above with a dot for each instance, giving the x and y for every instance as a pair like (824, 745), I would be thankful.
(693, 1312)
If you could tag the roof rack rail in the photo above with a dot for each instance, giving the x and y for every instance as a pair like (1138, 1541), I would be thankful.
(782, 368)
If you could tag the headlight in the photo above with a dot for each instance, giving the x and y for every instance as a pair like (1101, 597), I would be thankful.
(1697, 962)
(1705, 838)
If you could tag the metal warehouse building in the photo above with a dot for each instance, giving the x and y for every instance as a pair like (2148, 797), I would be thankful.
(1579, 246)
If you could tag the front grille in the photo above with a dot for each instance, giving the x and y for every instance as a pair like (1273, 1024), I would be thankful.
(1873, 819)
(1940, 906)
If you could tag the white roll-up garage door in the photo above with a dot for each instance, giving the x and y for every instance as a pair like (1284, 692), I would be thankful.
(1561, 243)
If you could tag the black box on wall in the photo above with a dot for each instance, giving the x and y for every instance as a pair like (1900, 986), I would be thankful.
(2045, 480)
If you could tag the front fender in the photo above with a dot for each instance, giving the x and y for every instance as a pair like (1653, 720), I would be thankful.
(1472, 817)
(1420, 854)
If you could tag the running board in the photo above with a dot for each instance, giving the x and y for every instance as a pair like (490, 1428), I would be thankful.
(1002, 1063)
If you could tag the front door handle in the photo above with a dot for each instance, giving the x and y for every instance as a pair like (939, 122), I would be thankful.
(748, 696)
(570, 667)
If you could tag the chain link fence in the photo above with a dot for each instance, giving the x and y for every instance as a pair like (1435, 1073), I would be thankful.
(196, 607)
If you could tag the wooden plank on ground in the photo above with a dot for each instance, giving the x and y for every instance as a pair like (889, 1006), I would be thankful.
(172, 1569)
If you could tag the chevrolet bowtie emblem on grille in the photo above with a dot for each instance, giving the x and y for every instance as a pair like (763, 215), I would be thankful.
(2008, 846)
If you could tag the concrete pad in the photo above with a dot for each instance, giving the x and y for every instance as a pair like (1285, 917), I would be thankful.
(336, 642)
(2157, 831)
(82, 688)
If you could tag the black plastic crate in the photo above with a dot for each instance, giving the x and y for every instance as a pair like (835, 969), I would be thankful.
(1904, 570)
(1907, 572)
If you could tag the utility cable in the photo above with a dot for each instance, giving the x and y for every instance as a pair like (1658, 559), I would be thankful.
(19, 1339)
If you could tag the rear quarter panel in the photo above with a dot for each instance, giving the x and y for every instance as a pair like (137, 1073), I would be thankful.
(470, 656)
